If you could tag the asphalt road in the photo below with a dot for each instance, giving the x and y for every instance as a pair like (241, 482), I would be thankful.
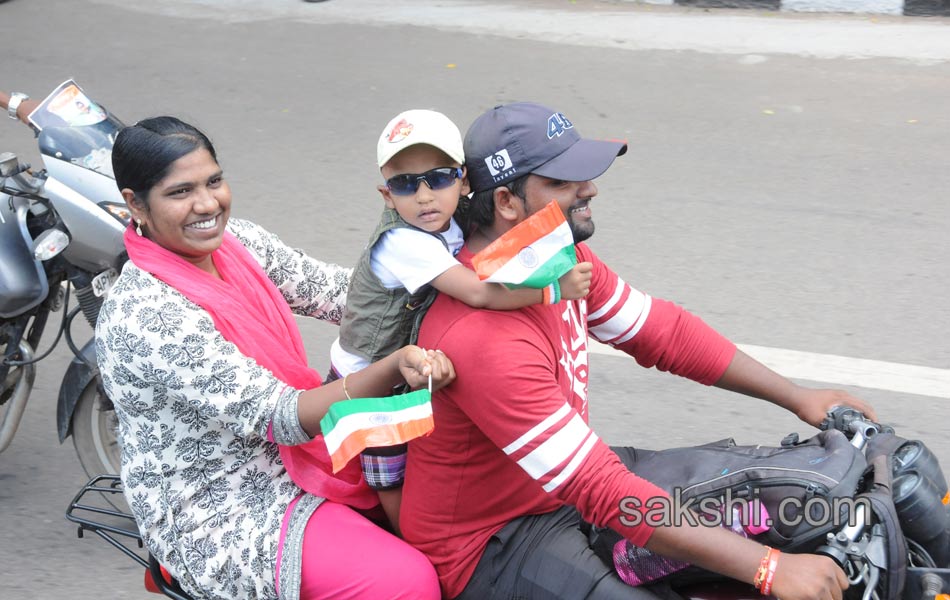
(791, 194)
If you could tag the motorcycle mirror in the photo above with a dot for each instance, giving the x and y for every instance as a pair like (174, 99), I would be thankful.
(50, 243)
(9, 165)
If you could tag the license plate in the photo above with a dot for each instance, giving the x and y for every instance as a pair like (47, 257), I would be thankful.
(103, 281)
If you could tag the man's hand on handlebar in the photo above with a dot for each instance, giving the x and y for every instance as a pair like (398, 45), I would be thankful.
(815, 403)
(808, 576)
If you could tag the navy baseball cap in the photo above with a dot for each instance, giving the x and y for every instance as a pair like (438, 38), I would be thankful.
(515, 139)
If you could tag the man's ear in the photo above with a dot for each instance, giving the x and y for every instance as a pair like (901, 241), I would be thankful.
(387, 196)
(508, 206)
(466, 188)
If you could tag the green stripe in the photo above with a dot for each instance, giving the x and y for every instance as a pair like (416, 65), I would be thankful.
(345, 408)
(556, 266)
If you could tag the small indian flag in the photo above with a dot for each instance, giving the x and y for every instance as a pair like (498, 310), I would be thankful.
(534, 253)
(351, 426)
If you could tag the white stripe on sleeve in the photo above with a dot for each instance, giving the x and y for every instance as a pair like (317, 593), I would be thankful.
(537, 430)
(631, 315)
(556, 449)
(603, 310)
(647, 304)
(569, 469)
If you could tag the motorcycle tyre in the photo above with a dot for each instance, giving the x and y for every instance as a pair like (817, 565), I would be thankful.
(94, 438)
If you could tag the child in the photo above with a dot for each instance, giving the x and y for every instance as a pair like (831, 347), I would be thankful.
(411, 255)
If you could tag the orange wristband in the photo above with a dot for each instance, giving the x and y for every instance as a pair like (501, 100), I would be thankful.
(763, 569)
(766, 588)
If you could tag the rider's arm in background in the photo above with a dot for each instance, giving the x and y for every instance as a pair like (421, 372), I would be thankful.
(25, 108)
(750, 377)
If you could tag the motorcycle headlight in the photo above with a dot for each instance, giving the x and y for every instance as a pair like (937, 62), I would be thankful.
(119, 211)
(50, 243)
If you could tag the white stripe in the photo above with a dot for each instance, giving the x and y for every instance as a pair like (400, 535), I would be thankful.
(350, 424)
(556, 448)
(630, 313)
(545, 247)
(537, 430)
(603, 310)
(569, 469)
(841, 370)
(648, 304)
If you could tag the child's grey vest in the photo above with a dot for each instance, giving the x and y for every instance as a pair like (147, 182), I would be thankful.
(377, 321)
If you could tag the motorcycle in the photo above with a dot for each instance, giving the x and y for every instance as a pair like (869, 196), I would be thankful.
(860, 546)
(60, 244)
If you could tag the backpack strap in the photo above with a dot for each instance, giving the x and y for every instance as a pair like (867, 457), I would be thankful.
(880, 496)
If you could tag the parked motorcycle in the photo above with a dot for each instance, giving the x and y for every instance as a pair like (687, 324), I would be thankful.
(60, 249)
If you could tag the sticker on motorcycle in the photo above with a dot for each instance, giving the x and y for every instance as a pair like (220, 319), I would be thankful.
(68, 105)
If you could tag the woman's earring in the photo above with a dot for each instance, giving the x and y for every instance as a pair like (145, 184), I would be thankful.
(138, 228)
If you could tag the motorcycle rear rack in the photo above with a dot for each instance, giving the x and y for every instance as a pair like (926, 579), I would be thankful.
(92, 511)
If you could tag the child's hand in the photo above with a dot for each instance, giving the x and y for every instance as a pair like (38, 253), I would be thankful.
(576, 283)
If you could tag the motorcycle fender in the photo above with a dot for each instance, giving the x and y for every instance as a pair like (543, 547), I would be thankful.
(80, 372)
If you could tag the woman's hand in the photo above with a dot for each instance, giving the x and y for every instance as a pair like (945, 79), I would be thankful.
(813, 405)
(416, 364)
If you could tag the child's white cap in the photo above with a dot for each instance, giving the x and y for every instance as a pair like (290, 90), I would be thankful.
(419, 126)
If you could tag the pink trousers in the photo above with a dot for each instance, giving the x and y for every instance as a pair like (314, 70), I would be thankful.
(347, 556)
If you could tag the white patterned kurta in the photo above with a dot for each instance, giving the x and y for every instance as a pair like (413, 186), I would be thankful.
(206, 488)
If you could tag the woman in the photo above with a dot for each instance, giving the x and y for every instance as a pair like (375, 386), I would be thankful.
(217, 407)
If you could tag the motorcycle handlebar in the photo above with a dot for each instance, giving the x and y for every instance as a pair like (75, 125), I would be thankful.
(852, 423)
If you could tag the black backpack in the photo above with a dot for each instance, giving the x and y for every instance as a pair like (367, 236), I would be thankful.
(800, 480)
(809, 488)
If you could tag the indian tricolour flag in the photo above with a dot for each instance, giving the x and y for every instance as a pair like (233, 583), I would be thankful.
(534, 253)
(350, 426)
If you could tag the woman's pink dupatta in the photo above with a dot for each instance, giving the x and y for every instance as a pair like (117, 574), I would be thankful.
(250, 312)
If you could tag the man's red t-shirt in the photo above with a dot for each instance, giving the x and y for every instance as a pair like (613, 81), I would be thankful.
(511, 433)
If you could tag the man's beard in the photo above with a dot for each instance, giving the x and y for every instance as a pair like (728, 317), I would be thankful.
(580, 231)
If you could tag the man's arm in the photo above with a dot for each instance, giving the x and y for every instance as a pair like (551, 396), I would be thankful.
(750, 377)
(661, 334)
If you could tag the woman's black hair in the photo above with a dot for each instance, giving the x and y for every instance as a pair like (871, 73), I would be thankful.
(479, 210)
(144, 152)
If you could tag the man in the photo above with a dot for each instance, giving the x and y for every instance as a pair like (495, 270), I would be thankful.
(495, 495)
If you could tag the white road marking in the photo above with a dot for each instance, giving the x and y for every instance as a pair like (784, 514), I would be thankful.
(840, 370)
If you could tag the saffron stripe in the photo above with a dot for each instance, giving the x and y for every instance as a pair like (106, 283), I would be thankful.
(537, 430)
(556, 449)
(388, 435)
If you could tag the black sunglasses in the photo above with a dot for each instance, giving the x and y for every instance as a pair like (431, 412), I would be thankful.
(407, 184)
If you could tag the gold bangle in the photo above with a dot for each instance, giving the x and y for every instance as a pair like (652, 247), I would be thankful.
(346, 393)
